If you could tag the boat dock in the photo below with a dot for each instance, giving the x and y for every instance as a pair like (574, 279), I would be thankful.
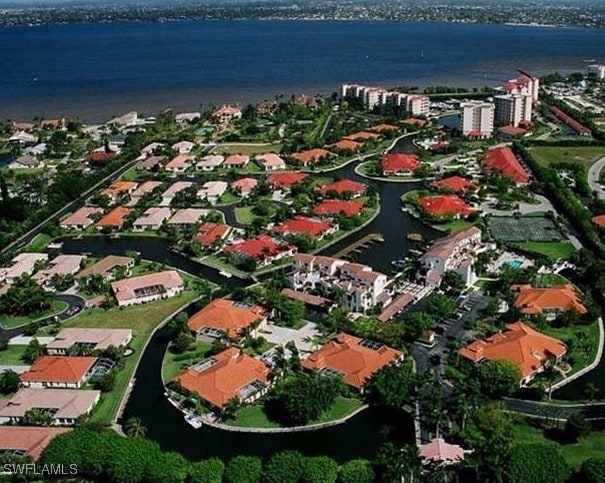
(360, 245)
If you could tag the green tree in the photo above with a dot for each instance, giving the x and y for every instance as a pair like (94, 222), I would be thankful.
(207, 471)
(9, 381)
(393, 385)
(593, 470)
(167, 468)
(415, 323)
(319, 469)
(283, 467)
(181, 343)
(499, 378)
(25, 297)
(538, 463)
(577, 426)
(134, 427)
(37, 417)
(356, 471)
(398, 464)
(440, 306)
(243, 469)
(33, 350)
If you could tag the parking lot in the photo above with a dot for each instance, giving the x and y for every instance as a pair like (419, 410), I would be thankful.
(302, 337)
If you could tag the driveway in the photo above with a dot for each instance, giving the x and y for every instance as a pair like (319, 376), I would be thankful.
(543, 206)
(282, 335)
(594, 173)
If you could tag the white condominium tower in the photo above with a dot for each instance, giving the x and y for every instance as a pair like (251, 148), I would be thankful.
(513, 109)
(477, 119)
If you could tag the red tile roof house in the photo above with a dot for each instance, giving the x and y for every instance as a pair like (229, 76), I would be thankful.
(443, 206)
(236, 161)
(530, 350)
(152, 219)
(270, 162)
(212, 234)
(27, 440)
(503, 161)
(227, 376)
(399, 164)
(81, 218)
(285, 181)
(227, 113)
(356, 360)
(345, 188)
(115, 219)
(302, 225)
(363, 136)
(455, 184)
(93, 339)
(599, 221)
(100, 156)
(338, 207)
(179, 164)
(312, 156)
(147, 288)
(244, 186)
(65, 406)
(550, 301)
(227, 318)
(187, 217)
(118, 189)
(58, 372)
(346, 146)
(173, 189)
(263, 249)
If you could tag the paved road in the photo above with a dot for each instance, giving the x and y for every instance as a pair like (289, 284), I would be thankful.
(544, 205)
(560, 411)
(594, 173)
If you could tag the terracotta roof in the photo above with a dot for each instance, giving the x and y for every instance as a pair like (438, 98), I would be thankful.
(504, 161)
(533, 301)
(227, 110)
(444, 205)
(512, 130)
(338, 207)
(312, 155)
(271, 160)
(237, 160)
(259, 248)
(455, 184)
(380, 128)
(414, 121)
(31, 439)
(104, 266)
(362, 135)
(347, 145)
(67, 403)
(227, 374)
(123, 186)
(245, 185)
(211, 232)
(115, 218)
(228, 316)
(180, 161)
(441, 452)
(346, 355)
(344, 186)
(399, 162)
(99, 338)
(100, 156)
(525, 347)
(126, 289)
(302, 225)
(58, 369)
(287, 180)
(599, 221)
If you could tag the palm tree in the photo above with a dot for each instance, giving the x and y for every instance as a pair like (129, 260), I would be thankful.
(134, 428)
(229, 409)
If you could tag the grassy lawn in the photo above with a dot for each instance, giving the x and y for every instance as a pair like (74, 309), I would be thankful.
(549, 279)
(142, 319)
(244, 215)
(38, 243)
(254, 415)
(12, 355)
(454, 226)
(12, 322)
(249, 150)
(552, 250)
(175, 363)
(586, 155)
(592, 445)
(132, 174)
(229, 198)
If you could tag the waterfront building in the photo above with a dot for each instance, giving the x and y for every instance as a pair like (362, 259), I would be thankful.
(115, 219)
(210, 234)
(417, 105)
(62, 265)
(29, 441)
(344, 188)
(513, 109)
(147, 288)
(399, 164)
(285, 181)
(152, 219)
(302, 225)
(477, 119)
(22, 264)
(444, 206)
(87, 338)
(107, 267)
(59, 372)
(227, 113)
(550, 301)
(312, 156)
(455, 184)
(334, 208)
(263, 249)
(438, 452)
(187, 217)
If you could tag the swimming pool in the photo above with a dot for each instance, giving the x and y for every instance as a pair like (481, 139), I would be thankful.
(515, 263)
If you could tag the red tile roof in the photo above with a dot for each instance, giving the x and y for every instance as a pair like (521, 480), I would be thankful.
(533, 301)
(31, 439)
(58, 369)
(259, 248)
(338, 207)
(380, 128)
(455, 184)
(233, 318)
(344, 186)
(347, 145)
(399, 162)
(599, 221)
(362, 136)
(100, 156)
(209, 233)
(287, 180)
(225, 378)
(525, 347)
(355, 362)
(115, 218)
(444, 205)
(504, 161)
(245, 185)
(512, 130)
(312, 155)
(302, 225)
(413, 121)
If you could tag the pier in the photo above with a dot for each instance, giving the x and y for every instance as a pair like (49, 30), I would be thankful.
(360, 245)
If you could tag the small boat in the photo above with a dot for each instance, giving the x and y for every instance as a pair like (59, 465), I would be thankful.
(404, 209)
(417, 237)
(398, 263)
(225, 274)
(193, 420)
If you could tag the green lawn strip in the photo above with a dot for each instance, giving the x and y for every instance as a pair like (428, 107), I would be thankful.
(12, 322)
(552, 250)
(229, 198)
(549, 279)
(172, 363)
(254, 416)
(247, 149)
(132, 174)
(12, 356)
(585, 155)
(142, 319)
(590, 446)
(454, 226)
(244, 215)
(38, 243)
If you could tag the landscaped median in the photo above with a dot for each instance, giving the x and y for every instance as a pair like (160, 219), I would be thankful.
(8, 322)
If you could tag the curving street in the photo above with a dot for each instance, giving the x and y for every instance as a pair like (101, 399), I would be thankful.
(594, 174)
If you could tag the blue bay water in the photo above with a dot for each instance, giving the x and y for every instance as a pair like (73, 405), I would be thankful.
(95, 71)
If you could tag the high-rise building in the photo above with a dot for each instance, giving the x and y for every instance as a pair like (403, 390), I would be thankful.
(417, 105)
(513, 109)
(477, 119)
(598, 70)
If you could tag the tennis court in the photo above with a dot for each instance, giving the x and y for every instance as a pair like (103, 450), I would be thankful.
(532, 229)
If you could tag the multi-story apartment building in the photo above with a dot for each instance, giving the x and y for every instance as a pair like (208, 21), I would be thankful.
(512, 109)
(597, 70)
(417, 105)
(477, 119)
